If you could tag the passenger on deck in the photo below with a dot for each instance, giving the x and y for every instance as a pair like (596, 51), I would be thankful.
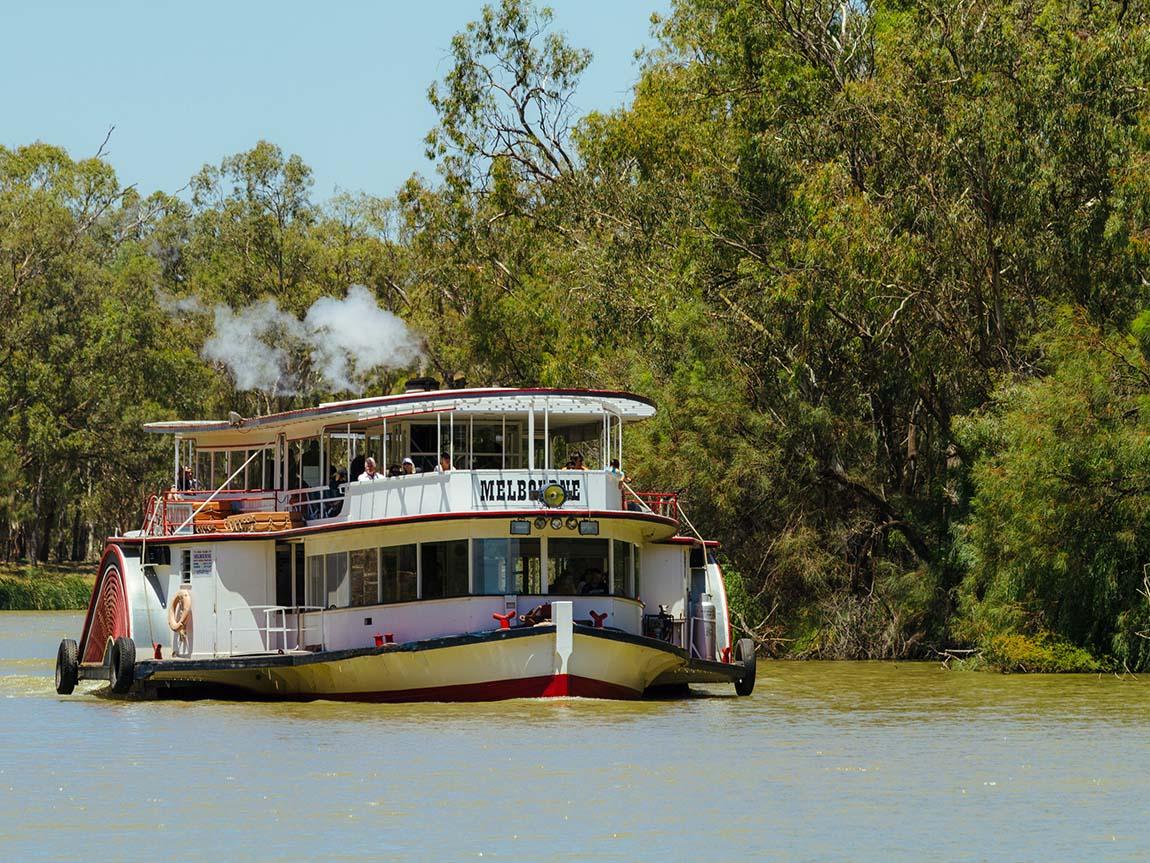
(394, 471)
(188, 481)
(369, 472)
(335, 491)
(594, 582)
(616, 471)
(408, 467)
(356, 467)
(577, 458)
(444, 463)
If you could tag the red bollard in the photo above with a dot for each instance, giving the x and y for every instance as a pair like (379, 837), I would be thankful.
(156, 654)
(598, 618)
(504, 619)
(389, 637)
(378, 640)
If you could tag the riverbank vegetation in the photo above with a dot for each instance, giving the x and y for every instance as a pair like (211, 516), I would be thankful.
(883, 266)
(45, 587)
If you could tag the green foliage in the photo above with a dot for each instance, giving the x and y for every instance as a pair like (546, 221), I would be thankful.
(44, 588)
(1058, 535)
(1041, 653)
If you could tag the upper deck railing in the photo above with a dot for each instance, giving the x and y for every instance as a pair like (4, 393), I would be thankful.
(456, 491)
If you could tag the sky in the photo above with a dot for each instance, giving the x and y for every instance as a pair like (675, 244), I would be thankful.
(341, 84)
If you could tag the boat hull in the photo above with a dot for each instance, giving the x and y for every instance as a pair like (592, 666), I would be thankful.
(519, 663)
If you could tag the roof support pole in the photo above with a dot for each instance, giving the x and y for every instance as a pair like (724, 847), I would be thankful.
(503, 446)
(176, 465)
(438, 436)
(531, 439)
(546, 437)
(450, 440)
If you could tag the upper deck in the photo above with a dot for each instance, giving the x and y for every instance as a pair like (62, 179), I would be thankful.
(477, 451)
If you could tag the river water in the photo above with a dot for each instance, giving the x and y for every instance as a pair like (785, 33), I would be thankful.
(826, 761)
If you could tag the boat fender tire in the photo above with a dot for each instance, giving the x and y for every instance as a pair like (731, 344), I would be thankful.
(745, 653)
(67, 666)
(123, 665)
(180, 611)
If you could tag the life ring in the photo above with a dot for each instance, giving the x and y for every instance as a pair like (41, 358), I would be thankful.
(180, 611)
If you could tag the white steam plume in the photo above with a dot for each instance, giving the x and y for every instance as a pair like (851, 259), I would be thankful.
(245, 341)
(345, 338)
(353, 335)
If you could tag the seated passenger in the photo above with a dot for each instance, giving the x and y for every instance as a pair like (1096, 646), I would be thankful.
(444, 463)
(369, 474)
(577, 459)
(563, 585)
(408, 466)
(394, 471)
(335, 491)
(594, 583)
(615, 471)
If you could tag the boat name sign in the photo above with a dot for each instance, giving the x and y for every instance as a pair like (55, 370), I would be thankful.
(524, 489)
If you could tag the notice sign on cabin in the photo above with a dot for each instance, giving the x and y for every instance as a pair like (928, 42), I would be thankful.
(201, 562)
(523, 489)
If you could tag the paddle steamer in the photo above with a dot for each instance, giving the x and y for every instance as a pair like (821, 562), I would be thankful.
(499, 565)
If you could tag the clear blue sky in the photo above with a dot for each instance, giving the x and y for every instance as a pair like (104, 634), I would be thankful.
(343, 84)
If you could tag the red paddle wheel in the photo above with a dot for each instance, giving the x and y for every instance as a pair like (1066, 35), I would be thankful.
(108, 610)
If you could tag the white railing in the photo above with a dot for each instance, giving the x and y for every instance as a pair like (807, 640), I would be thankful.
(277, 626)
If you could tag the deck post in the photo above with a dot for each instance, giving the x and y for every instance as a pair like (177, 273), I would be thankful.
(562, 617)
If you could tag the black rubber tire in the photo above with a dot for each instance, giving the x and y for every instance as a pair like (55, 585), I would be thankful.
(123, 665)
(67, 667)
(745, 653)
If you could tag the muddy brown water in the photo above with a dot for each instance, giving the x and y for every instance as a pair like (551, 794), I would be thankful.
(826, 761)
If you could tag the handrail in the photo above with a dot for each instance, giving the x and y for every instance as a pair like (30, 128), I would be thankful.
(266, 631)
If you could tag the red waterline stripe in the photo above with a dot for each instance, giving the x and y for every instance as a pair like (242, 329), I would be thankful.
(547, 686)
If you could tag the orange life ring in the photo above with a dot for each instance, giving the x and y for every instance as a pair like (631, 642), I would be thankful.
(180, 611)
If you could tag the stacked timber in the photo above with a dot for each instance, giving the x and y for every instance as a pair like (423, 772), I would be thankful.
(263, 522)
(213, 517)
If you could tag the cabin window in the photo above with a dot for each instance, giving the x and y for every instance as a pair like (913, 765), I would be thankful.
(622, 552)
(576, 566)
(397, 573)
(506, 566)
(364, 576)
(327, 581)
(337, 584)
(316, 575)
(444, 566)
(635, 575)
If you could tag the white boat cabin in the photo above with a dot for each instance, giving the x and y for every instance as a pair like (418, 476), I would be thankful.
(509, 498)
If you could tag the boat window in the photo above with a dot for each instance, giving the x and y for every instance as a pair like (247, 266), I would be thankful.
(398, 578)
(327, 582)
(622, 552)
(577, 566)
(636, 554)
(444, 568)
(316, 575)
(506, 566)
(364, 565)
(337, 586)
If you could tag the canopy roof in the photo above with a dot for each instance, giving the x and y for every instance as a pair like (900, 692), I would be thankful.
(564, 407)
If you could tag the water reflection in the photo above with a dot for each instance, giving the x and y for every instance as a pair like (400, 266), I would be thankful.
(859, 761)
